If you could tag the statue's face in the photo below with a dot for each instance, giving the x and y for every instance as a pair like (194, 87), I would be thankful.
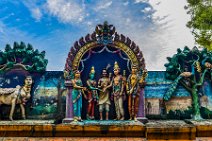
(104, 73)
(28, 81)
(116, 71)
(92, 75)
(134, 70)
(77, 75)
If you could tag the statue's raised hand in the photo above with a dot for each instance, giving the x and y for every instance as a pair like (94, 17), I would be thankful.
(84, 89)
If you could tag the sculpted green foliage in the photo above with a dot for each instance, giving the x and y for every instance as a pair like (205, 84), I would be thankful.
(189, 68)
(201, 21)
(22, 56)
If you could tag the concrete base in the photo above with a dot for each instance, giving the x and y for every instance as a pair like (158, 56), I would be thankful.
(170, 129)
(68, 120)
(203, 127)
(144, 120)
(74, 129)
(154, 129)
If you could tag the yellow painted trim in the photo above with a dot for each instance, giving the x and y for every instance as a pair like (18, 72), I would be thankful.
(131, 55)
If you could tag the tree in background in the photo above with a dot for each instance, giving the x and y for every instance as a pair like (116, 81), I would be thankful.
(22, 56)
(189, 68)
(201, 21)
(57, 79)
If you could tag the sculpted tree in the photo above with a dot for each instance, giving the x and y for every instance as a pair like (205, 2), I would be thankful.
(189, 68)
(57, 79)
(22, 56)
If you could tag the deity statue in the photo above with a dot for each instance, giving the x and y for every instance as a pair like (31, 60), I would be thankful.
(18, 95)
(92, 94)
(117, 84)
(77, 92)
(104, 98)
(133, 89)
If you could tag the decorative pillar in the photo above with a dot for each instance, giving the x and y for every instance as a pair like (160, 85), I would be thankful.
(141, 116)
(69, 104)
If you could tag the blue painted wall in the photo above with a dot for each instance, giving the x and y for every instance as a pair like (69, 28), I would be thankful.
(43, 103)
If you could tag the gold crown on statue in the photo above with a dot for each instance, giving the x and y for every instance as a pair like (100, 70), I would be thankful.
(116, 65)
(92, 70)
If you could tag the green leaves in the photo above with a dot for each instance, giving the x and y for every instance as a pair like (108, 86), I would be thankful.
(201, 21)
(189, 68)
(10, 64)
(22, 56)
(185, 59)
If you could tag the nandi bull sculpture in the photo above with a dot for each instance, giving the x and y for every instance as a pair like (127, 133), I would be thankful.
(18, 95)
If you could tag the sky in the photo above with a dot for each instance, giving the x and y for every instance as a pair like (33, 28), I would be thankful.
(158, 27)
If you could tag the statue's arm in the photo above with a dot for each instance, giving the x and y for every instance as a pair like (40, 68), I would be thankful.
(111, 83)
(76, 86)
(128, 85)
(143, 76)
(90, 86)
(122, 85)
(99, 83)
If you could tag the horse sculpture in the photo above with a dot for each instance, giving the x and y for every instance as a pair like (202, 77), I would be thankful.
(18, 95)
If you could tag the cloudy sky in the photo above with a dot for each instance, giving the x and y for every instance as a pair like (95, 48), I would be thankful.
(157, 26)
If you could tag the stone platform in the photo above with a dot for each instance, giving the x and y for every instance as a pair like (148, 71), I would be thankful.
(154, 129)
(36, 128)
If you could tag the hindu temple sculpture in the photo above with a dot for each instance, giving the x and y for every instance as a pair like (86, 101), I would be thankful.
(104, 94)
(102, 47)
(18, 95)
(16, 62)
(117, 84)
(77, 92)
(190, 68)
(133, 87)
(22, 56)
(92, 95)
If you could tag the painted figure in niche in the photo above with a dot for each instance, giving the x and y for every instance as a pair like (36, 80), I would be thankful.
(134, 82)
(77, 92)
(117, 84)
(18, 95)
(133, 93)
(104, 98)
(92, 94)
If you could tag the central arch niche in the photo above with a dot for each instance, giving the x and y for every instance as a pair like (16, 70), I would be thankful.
(102, 57)
(102, 47)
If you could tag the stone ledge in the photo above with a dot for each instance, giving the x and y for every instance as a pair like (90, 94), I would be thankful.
(203, 127)
(73, 129)
(170, 129)
(180, 133)
(154, 129)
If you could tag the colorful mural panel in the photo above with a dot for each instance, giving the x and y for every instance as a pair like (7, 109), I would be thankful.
(43, 104)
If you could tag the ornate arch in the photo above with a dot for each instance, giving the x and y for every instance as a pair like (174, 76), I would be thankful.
(104, 35)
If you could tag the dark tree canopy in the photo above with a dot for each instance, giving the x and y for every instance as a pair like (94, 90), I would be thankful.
(22, 56)
(187, 60)
(201, 21)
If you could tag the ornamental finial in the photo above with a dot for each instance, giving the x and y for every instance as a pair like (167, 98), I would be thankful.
(116, 66)
(92, 70)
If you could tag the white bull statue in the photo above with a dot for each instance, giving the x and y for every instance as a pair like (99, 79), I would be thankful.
(18, 95)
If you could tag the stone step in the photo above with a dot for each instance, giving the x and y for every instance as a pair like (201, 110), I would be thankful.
(154, 129)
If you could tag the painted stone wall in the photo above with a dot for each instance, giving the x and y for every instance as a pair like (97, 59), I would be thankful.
(44, 95)
(179, 106)
(47, 86)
